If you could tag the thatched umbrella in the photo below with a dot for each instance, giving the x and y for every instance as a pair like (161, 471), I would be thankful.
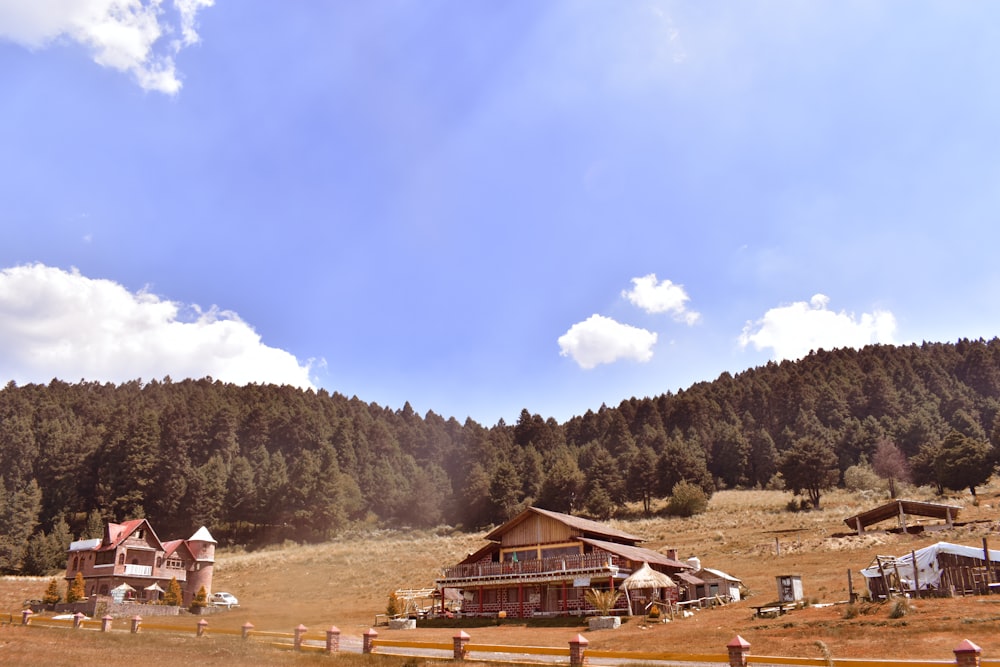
(645, 578)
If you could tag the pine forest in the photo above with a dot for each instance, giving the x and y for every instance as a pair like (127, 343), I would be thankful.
(264, 464)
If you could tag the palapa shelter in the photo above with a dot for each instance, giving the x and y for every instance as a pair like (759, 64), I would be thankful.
(643, 589)
(900, 509)
(940, 569)
(541, 563)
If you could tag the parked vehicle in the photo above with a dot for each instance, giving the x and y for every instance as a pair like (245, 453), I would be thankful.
(223, 599)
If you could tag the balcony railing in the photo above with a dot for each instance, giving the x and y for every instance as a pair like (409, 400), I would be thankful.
(139, 570)
(564, 565)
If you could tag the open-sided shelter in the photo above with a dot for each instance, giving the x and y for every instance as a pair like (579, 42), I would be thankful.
(900, 510)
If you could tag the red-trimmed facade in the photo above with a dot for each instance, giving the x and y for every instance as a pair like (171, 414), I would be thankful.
(542, 562)
(131, 553)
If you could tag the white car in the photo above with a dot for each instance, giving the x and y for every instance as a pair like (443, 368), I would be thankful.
(223, 599)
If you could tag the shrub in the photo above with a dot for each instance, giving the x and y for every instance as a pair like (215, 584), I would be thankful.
(602, 601)
(200, 601)
(76, 591)
(173, 595)
(52, 595)
(687, 499)
(392, 608)
(899, 608)
(861, 477)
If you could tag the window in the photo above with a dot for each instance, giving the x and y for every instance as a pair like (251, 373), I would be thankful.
(121, 559)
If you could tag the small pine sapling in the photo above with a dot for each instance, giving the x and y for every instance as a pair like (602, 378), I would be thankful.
(77, 590)
(200, 601)
(52, 595)
(392, 608)
(173, 595)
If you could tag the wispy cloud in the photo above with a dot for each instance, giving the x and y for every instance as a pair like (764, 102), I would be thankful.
(602, 340)
(56, 323)
(136, 36)
(791, 331)
(661, 297)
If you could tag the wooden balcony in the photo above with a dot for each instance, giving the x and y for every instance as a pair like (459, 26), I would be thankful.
(538, 570)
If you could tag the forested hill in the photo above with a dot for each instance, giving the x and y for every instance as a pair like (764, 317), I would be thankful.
(266, 463)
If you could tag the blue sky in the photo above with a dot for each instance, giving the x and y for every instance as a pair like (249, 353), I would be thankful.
(481, 206)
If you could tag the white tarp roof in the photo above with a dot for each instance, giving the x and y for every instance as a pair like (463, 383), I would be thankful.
(928, 570)
(719, 574)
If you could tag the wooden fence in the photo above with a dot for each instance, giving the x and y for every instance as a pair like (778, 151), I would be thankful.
(576, 653)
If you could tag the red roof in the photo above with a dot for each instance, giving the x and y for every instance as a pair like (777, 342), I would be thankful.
(117, 533)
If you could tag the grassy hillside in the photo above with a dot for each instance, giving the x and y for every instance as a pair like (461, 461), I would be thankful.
(347, 582)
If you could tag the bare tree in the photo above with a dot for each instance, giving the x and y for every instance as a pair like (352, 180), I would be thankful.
(890, 463)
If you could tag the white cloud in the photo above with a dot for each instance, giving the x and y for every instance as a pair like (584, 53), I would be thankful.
(792, 331)
(126, 35)
(59, 324)
(602, 340)
(662, 297)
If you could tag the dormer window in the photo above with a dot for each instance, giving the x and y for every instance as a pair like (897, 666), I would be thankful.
(140, 533)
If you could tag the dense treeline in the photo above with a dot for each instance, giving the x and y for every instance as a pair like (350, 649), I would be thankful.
(266, 463)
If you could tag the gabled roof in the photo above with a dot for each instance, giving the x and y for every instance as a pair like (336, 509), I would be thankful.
(169, 548)
(116, 533)
(719, 574)
(586, 527)
(637, 554)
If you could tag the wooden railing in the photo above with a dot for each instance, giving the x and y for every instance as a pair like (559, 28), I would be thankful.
(568, 565)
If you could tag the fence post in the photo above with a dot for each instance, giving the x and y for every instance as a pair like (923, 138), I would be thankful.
(77, 620)
(106, 623)
(26, 616)
(577, 650)
(460, 642)
(333, 639)
(136, 622)
(368, 641)
(247, 628)
(202, 624)
(739, 648)
(967, 654)
(299, 631)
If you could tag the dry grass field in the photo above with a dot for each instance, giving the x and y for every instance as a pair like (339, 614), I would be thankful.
(748, 534)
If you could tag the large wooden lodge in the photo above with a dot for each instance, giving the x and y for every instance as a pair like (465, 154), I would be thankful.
(542, 562)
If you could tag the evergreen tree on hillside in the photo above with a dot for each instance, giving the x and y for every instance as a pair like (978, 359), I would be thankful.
(809, 466)
(963, 462)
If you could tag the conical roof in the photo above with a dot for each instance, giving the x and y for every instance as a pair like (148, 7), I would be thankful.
(202, 535)
(647, 577)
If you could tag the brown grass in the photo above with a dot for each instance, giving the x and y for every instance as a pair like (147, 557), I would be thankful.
(347, 582)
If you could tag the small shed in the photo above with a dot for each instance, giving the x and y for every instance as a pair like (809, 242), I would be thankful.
(718, 584)
(789, 588)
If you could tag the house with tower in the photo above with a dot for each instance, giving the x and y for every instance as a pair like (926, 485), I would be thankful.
(131, 562)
